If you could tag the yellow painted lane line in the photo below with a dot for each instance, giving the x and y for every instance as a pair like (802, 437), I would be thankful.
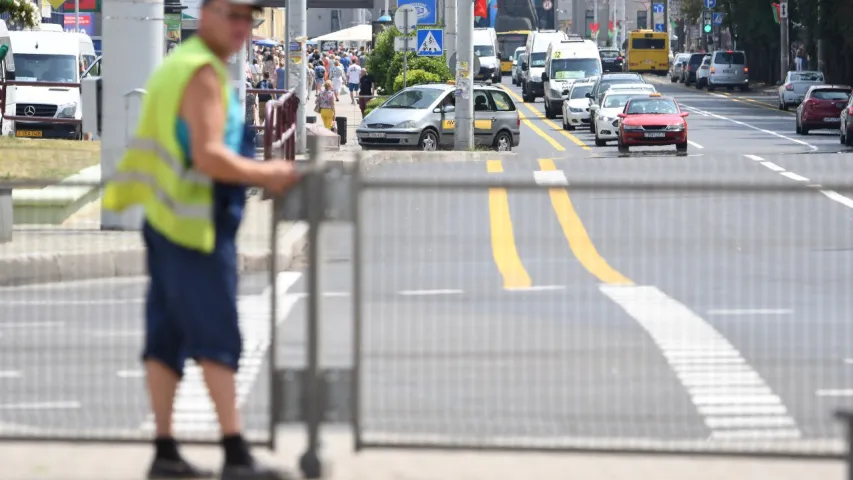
(504, 250)
(576, 235)
(551, 124)
(541, 133)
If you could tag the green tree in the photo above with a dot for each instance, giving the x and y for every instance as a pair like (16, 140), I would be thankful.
(415, 77)
(21, 12)
(435, 65)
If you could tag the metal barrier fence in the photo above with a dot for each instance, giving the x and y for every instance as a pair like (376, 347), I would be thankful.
(485, 305)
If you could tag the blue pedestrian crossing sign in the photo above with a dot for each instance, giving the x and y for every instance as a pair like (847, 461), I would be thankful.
(430, 42)
(718, 18)
(660, 27)
(710, 3)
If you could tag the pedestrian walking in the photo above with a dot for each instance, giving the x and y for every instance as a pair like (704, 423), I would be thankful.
(798, 59)
(337, 77)
(353, 78)
(326, 105)
(187, 166)
(366, 90)
(319, 77)
(263, 98)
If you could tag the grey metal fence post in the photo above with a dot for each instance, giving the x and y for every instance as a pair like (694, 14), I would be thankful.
(315, 199)
(355, 379)
(847, 417)
(273, 350)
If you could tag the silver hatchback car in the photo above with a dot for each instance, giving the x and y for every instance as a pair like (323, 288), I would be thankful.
(423, 117)
(728, 69)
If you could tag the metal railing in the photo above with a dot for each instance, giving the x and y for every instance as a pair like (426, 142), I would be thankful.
(280, 123)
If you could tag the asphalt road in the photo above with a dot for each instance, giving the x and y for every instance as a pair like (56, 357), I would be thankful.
(563, 317)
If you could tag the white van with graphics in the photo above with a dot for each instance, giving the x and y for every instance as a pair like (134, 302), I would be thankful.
(50, 56)
(565, 62)
(7, 72)
(537, 47)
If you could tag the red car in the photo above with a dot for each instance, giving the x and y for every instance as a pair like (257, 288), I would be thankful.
(653, 120)
(821, 108)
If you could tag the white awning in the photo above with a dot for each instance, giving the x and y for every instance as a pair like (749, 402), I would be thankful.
(358, 33)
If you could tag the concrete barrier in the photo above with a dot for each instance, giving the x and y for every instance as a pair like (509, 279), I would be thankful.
(6, 215)
(52, 205)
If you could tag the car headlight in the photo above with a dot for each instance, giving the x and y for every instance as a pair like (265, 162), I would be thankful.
(67, 110)
(606, 119)
(632, 128)
(576, 110)
(675, 128)
(406, 124)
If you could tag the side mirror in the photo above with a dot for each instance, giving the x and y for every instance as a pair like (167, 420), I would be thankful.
(622, 115)
(449, 109)
(436, 110)
(544, 76)
(588, 95)
(685, 114)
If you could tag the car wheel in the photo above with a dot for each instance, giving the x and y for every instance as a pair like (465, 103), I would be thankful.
(842, 138)
(503, 142)
(781, 104)
(681, 147)
(711, 88)
(848, 139)
(785, 107)
(798, 129)
(526, 96)
(599, 142)
(549, 112)
(804, 130)
(622, 147)
(672, 79)
(565, 125)
(591, 126)
(698, 85)
(428, 141)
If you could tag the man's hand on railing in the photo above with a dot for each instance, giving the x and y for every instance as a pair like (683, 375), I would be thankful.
(280, 176)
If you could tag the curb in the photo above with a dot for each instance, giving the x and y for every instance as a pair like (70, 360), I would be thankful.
(47, 268)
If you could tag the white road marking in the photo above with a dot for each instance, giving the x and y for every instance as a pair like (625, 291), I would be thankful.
(754, 157)
(118, 333)
(193, 410)
(325, 294)
(835, 196)
(550, 178)
(11, 374)
(848, 361)
(131, 374)
(430, 292)
(93, 302)
(23, 325)
(41, 406)
(681, 334)
(794, 176)
(835, 393)
(750, 311)
(715, 410)
(536, 288)
(764, 434)
(691, 142)
(773, 166)
(753, 127)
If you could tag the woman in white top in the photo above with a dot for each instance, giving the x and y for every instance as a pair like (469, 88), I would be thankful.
(337, 77)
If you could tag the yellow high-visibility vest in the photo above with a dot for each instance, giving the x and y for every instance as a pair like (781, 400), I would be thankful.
(154, 171)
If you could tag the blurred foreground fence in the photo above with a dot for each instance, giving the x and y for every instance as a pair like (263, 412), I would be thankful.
(478, 308)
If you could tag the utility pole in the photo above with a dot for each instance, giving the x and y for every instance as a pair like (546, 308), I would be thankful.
(464, 116)
(595, 20)
(450, 28)
(821, 60)
(128, 27)
(76, 16)
(296, 38)
(783, 34)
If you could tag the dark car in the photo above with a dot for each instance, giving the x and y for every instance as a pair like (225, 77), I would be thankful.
(821, 108)
(692, 67)
(611, 60)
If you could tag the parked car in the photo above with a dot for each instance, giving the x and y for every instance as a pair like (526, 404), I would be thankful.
(794, 88)
(729, 70)
(703, 72)
(692, 67)
(423, 117)
(675, 70)
(821, 108)
(847, 124)
(517, 59)
(653, 120)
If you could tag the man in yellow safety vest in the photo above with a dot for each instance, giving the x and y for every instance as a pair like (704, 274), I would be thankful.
(187, 166)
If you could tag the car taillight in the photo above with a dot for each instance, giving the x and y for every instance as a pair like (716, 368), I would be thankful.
(517, 120)
(850, 111)
(713, 70)
(789, 87)
(812, 103)
(618, 59)
(745, 69)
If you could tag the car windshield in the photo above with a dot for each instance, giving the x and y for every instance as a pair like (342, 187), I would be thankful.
(609, 53)
(732, 58)
(617, 101)
(484, 50)
(573, 68)
(580, 92)
(415, 98)
(831, 94)
(605, 85)
(652, 106)
(34, 67)
(537, 59)
(807, 77)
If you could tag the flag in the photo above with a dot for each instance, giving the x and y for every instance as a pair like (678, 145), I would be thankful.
(776, 12)
(480, 9)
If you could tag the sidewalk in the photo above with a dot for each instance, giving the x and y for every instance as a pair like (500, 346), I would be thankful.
(50, 461)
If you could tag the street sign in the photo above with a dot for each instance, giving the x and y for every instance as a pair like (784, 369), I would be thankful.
(426, 10)
(783, 9)
(406, 19)
(710, 3)
(718, 18)
(547, 5)
(660, 27)
(657, 8)
(430, 42)
(400, 44)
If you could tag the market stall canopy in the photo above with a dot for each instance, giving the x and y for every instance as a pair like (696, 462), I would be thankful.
(358, 33)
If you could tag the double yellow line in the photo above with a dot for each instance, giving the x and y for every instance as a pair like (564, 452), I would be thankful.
(538, 131)
(504, 249)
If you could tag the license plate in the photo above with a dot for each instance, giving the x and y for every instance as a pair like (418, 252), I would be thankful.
(375, 135)
(728, 70)
(28, 133)
(832, 120)
(655, 135)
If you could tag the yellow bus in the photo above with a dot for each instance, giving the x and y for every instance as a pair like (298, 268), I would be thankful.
(647, 52)
(508, 43)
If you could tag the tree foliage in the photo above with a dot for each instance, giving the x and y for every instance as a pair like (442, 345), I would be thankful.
(385, 64)
(23, 13)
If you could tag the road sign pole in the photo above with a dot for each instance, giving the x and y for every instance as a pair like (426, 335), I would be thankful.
(783, 34)
(406, 54)
(464, 128)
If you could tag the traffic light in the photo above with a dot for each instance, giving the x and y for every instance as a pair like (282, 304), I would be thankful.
(707, 20)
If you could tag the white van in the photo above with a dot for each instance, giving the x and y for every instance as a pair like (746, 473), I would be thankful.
(7, 73)
(537, 47)
(486, 49)
(50, 56)
(565, 62)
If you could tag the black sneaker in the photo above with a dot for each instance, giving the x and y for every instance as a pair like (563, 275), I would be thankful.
(255, 471)
(162, 469)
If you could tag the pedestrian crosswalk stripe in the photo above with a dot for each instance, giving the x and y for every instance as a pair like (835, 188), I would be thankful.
(430, 44)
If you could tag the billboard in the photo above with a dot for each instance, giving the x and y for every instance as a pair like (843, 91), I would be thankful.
(85, 6)
(87, 25)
